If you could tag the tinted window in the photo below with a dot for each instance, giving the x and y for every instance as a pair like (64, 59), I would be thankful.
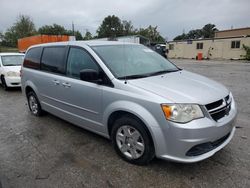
(78, 60)
(53, 59)
(32, 58)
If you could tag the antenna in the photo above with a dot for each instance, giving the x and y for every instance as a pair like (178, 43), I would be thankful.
(73, 28)
(125, 64)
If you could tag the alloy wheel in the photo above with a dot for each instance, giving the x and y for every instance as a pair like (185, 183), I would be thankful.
(33, 104)
(130, 142)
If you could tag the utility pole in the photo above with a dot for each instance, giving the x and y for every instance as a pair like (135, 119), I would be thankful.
(73, 28)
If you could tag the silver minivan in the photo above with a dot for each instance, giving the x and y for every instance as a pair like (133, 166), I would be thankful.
(130, 94)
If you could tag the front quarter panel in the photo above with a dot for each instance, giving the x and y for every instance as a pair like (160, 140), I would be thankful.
(120, 100)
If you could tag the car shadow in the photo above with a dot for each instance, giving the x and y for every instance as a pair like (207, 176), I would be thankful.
(219, 158)
(11, 89)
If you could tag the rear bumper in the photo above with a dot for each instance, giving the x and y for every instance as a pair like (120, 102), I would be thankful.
(196, 140)
(13, 81)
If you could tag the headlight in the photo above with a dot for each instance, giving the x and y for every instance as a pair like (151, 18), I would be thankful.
(12, 74)
(182, 113)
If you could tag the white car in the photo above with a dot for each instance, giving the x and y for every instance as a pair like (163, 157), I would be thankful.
(10, 66)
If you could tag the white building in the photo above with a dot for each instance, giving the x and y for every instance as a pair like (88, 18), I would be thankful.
(227, 44)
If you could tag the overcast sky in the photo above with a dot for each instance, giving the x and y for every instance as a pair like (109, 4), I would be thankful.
(171, 17)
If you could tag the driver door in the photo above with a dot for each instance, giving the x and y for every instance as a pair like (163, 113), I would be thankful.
(82, 99)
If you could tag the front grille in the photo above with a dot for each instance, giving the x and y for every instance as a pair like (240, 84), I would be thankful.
(220, 108)
(206, 147)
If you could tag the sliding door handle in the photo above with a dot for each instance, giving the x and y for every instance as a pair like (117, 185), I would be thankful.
(56, 82)
(66, 85)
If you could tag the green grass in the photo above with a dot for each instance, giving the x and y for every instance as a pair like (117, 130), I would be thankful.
(8, 49)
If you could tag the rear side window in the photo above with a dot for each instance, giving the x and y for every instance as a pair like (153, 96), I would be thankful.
(32, 58)
(53, 59)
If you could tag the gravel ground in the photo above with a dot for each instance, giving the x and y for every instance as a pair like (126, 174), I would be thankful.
(49, 152)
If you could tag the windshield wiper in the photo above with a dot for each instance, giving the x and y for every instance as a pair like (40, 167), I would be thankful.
(148, 74)
(162, 72)
(134, 76)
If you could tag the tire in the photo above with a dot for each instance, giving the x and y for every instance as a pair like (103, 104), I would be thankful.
(4, 85)
(132, 141)
(34, 104)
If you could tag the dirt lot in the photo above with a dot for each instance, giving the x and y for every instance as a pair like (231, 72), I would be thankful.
(49, 152)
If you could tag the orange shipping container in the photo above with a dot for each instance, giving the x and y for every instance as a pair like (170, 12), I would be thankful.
(25, 43)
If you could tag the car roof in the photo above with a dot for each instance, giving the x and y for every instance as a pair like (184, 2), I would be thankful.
(10, 53)
(88, 43)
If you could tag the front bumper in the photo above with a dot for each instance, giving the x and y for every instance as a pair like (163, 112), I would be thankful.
(205, 134)
(13, 81)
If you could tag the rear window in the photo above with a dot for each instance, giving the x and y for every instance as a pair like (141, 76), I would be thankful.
(32, 58)
(53, 59)
(12, 60)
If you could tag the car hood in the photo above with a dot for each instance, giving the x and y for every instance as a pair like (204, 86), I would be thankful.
(12, 68)
(183, 87)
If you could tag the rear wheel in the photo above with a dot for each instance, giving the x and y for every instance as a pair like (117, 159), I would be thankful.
(131, 141)
(34, 104)
(4, 85)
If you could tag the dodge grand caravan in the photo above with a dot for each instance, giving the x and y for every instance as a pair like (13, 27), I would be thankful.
(126, 92)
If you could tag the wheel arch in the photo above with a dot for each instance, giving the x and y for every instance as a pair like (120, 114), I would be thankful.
(29, 86)
(135, 111)
(28, 89)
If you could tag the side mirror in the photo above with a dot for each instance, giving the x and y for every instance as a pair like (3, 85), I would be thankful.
(90, 75)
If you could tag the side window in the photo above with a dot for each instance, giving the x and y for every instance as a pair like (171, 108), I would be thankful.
(171, 46)
(32, 58)
(199, 45)
(235, 44)
(79, 60)
(53, 59)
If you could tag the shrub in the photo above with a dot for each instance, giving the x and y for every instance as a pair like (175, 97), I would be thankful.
(247, 49)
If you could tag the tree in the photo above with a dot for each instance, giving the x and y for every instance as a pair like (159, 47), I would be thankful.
(195, 34)
(128, 28)
(192, 34)
(151, 33)
(181, 37)
(23, 27)
(1, 37)
(111, 27)
(54, 29)
(77, 34)
(208, 30)
(88, 36)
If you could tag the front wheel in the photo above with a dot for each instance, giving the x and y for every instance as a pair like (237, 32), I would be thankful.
(131, 141)
(5, 87)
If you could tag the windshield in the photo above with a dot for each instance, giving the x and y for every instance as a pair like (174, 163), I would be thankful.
(133, 61)
(12, 60)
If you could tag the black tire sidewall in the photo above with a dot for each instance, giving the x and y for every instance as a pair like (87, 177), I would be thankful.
(149, 151)
(39, 109)
(5, 87)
